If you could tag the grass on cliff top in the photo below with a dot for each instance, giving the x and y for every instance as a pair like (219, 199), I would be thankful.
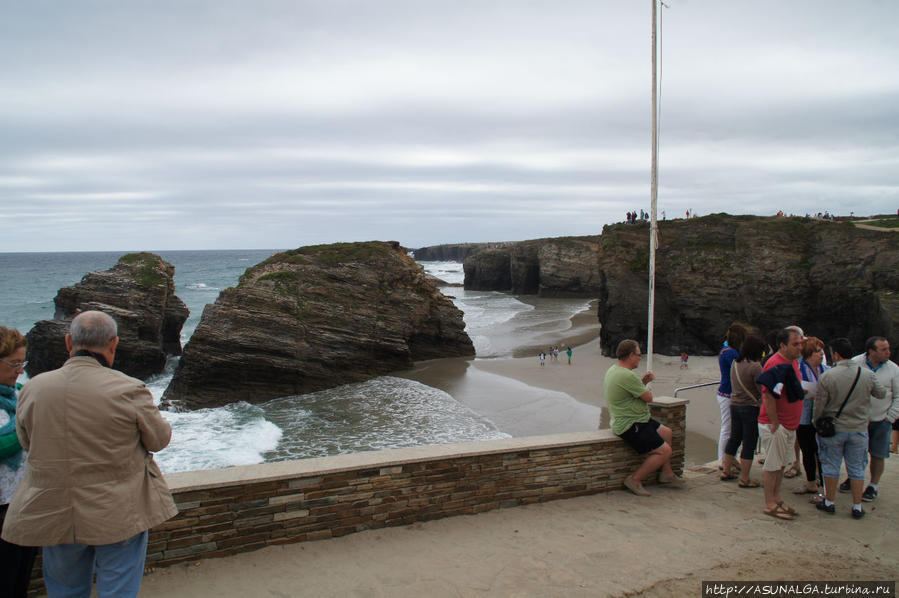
(885, 223)
(332, 254)
(147, 275)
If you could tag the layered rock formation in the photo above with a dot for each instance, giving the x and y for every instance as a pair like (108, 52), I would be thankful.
(448, 253)
(831, 278)
(139, 292)
(313, 318)
(562, 267)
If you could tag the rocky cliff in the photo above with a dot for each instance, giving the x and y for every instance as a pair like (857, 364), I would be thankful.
(831, 278)
(448, 253)
(562, 267)
(312, 318)
(139, 292)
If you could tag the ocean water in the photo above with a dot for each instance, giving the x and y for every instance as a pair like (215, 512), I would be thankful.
(386, 412)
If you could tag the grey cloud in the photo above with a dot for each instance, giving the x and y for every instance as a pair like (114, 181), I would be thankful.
(214, 125)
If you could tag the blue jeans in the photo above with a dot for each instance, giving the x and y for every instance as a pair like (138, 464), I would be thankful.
(851, 446)
(879, 439)
(69, 568)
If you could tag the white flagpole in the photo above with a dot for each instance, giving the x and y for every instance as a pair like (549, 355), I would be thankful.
(654, 184)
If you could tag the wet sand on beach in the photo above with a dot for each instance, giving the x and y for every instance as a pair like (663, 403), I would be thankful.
(512, 391)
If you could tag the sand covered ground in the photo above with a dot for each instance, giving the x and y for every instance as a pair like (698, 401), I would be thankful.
(610, 544)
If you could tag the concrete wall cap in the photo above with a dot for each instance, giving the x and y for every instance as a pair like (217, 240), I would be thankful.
(267, 472)
(669, 401)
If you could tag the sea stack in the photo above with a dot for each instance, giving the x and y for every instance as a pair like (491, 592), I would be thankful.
(139, 292)
(313, 318)
(560, 267)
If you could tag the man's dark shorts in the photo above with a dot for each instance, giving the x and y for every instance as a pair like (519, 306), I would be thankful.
(643, 437)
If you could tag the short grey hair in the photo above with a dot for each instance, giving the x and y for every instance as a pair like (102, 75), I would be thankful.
(93, 330)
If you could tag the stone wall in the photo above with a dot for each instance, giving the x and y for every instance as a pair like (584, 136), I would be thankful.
(233, 510)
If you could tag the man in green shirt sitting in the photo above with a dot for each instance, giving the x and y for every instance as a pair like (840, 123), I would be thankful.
(628, 401)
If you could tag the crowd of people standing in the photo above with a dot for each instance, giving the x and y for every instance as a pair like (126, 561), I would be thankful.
(553, 354)
(784, 394)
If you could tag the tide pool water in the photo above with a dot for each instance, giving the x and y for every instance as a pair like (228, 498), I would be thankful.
(386, 412)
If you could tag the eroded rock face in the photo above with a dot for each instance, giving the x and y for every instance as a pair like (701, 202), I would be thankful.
(448, 253)
(139, 292)
(831, 278)
(562, 267)
(313, 318)
(488, 270)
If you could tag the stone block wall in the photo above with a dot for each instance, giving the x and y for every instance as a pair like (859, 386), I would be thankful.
(228, 511)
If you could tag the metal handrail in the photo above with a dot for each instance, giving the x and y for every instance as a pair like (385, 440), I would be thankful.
(677, 390)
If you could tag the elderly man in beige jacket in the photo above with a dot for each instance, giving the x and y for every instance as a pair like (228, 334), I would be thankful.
(92, 488)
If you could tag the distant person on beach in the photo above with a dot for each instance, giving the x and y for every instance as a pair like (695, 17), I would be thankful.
(17, 561)
(92, 489)
(779, 417)
(881, 414)
(542, 357)
(733, 340)
(628, 401)
(844, 394)
(745, 400)
(683, 360)
(569, 353)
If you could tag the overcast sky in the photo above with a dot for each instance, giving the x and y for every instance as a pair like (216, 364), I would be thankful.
(132, 125)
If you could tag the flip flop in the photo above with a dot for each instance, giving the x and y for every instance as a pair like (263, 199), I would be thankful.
(726, 477)
(792, 472)
(749, 484)
(777, 513)
(804, 490)
(787, 509)
(818, 497)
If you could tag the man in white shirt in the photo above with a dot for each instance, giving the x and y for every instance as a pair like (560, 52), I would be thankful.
(881, 414)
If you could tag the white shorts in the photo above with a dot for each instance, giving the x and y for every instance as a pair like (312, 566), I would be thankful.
(778, 447)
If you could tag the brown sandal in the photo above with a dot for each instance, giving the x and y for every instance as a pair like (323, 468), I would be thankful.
(778, 513)
(787, 509)
(791, 472)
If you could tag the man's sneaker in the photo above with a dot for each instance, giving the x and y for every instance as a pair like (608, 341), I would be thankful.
(827, 509)
(869, 494)
(846, 486)
(858, 513)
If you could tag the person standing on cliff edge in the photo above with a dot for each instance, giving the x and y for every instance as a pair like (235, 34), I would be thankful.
(628, 401)
(92, 489)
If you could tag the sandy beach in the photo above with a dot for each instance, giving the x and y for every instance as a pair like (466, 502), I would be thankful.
(508, 390)
(606, 545)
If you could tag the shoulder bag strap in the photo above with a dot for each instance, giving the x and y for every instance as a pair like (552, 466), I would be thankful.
(857, 374)
(733, 370)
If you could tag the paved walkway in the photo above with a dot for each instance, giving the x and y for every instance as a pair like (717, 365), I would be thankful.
(611, 544)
